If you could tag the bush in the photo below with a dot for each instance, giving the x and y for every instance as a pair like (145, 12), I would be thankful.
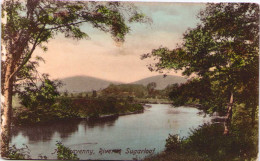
(208, 140)
(174, 143)
(19, 153)
(65, 153)
(66, 108)
(22, 153)
(208, 143)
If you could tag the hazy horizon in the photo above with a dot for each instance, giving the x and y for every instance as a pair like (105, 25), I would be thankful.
(102, 58)
(158, 74)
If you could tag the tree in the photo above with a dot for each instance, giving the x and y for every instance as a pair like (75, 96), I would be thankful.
(94, 93)
(40, 100)
(151, 87)
(66, 94)
(32, 23)
(44, 94)
(223, 54)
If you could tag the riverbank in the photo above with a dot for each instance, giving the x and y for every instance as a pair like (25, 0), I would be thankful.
(66, 108)
(207, 142)
(152, 101)
(107, 116)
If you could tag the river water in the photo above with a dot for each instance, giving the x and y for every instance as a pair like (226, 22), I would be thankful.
(133, 136)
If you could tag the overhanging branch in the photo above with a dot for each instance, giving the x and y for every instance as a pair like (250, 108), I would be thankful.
(70, 24)
(28, 56)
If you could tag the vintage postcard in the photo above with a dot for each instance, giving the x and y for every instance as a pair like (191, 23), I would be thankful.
(114, 80)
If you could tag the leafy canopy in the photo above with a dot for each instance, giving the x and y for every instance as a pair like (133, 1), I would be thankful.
(221, 53)
(32, 23)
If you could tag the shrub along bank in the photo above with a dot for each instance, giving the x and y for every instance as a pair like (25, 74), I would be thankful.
(69, 108)
(207, 142)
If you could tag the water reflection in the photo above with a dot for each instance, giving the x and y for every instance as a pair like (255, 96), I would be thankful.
(137, 131)
(44, 132)
(109, 121)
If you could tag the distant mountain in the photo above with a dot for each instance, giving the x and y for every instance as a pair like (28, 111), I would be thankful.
(78, 84)
(160, 81)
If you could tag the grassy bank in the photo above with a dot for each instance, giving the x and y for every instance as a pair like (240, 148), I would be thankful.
(71, 108)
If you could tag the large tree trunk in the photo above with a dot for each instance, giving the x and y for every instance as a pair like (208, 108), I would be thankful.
(6, 110)
(227, 122)
(253, 115)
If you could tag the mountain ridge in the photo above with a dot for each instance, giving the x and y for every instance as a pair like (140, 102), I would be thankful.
(83, 83)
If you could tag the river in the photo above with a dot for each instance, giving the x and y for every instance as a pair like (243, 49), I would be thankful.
(128, 134)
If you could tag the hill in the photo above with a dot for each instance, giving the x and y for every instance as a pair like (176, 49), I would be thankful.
(161, 81)
(78, 84)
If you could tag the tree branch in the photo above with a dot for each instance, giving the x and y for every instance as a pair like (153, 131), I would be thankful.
(57, 27)
(26, 59)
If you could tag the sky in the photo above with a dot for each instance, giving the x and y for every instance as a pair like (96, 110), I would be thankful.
(100, 57)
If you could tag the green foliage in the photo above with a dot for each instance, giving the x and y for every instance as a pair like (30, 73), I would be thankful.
(125, 90)
(64, 109)
(222, 52)
(19, 153)
(174, 143)
(139, 17)
(43, 103)
(200, 91)
(65, 153)
(105, 105)
(43, 95)
(136, 91)
(209, 142)
(66, 17)
(68, 108)
(151, 87)
(41, 108)
(39, 100)
(33, 23)
(42, 157)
